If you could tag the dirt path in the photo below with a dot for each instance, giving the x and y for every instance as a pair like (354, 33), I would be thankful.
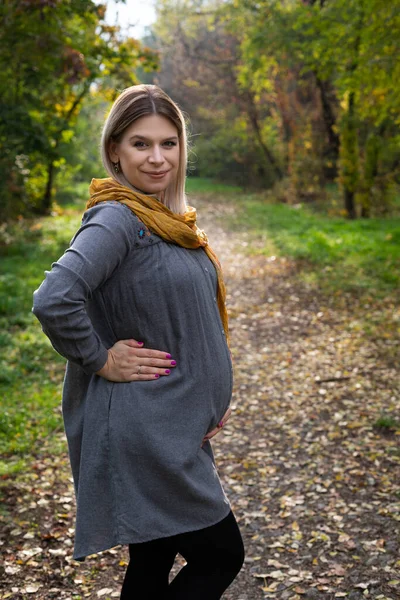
(315, 486)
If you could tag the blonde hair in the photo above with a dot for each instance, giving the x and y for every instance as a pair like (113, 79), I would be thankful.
(133, 103)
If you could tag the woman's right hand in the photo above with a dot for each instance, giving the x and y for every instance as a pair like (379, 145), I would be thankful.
(129, 361)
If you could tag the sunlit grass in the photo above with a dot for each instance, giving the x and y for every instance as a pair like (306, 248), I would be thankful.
(332, 252)
(337, 253)
(203, 185)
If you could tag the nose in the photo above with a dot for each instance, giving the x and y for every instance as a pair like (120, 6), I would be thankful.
(156, 155)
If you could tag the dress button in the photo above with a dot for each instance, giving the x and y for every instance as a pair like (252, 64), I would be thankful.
(205, 268)
(215, 299)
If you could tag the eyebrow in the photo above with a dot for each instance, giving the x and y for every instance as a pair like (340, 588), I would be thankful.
(142, 137)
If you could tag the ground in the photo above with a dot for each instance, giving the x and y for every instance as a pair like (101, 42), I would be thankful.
(308, 462)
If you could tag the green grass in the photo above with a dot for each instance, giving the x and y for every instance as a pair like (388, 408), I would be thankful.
(203, 185)
(387, 423)
(337, 254)
(30, 371)
(332, 252)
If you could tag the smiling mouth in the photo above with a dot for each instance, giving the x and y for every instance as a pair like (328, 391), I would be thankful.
(156, 173)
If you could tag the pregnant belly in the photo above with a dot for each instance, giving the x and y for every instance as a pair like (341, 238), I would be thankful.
(171, 414)
(219, 386)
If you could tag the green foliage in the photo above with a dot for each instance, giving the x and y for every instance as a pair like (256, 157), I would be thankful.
(73, 195)
(53, 55)
(30, 371)
(306, 168)
(84, 150)
(236, 138)
(387, 423)
(378, 185)
(302, 92)
(230, 155)
(348, 51)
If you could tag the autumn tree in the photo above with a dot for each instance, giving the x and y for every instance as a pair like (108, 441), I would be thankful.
(305, 90)
(53, 54)
(234, 132)
(352, 54)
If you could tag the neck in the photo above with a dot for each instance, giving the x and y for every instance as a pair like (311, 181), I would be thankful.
(158, 196)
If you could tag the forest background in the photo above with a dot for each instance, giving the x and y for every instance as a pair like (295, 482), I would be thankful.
(300, 97)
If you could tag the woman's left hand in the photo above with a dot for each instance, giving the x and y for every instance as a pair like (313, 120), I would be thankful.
(219, 427)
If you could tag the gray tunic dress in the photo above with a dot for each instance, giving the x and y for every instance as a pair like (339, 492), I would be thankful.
(139, 470)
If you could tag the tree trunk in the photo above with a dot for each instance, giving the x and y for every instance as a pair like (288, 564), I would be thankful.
(350, 156)
(372, 151)
(45, 207)
(349, 203)
(312, 2)
(252, 113)
(349, 152)
(329, 119)
(365, 211)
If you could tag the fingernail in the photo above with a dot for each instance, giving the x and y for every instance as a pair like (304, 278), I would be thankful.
(156, 376)
(168, 356)
(167, 371)
(140, 343)
(173, 362)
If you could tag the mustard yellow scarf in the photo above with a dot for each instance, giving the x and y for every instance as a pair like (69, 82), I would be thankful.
(172, 227)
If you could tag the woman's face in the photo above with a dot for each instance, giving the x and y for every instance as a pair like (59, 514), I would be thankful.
(148, 153)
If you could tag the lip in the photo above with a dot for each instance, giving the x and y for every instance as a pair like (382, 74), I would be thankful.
(156, 174)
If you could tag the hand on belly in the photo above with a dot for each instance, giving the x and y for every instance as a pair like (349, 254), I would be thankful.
(129, 361)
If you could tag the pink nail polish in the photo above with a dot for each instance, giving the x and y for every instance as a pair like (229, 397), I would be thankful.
(156, 376)
(173, 362)
(167, 371)
(168, 356)
(140, 343)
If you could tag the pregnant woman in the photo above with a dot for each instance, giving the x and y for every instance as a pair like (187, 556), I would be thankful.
(137, 306)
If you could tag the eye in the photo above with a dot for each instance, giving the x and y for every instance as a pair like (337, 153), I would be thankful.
(139, 144)
(169, 144)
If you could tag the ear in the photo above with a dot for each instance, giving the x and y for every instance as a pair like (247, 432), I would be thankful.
(113, 152)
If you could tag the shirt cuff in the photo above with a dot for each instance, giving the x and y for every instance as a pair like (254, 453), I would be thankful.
(98, 363)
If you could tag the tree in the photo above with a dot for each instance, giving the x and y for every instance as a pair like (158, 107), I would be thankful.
(353, 56)
(233, 130)
(52, 54)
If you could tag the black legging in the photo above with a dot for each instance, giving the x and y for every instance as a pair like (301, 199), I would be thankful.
(214, 557)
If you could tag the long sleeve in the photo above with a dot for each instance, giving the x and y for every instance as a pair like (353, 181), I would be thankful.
(96, 251)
